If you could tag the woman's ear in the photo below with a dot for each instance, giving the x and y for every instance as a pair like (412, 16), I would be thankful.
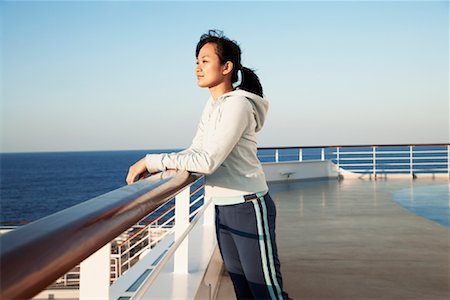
(227, 68)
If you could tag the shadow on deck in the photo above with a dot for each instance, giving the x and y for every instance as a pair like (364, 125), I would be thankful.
(349, 240)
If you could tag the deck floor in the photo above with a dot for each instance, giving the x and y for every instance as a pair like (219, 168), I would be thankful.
(349, 240)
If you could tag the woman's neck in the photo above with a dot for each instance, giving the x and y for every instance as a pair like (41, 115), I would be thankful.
(219, 90)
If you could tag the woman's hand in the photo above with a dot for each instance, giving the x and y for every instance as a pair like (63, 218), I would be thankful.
(138, 170)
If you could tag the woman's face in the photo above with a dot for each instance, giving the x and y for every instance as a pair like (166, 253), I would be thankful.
(209, 71)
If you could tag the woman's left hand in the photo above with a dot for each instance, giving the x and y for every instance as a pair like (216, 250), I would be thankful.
(138, 170)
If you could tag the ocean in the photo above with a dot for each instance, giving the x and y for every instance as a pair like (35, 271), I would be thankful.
(34, 185)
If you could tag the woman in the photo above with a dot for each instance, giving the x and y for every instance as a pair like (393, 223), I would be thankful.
(224, 149)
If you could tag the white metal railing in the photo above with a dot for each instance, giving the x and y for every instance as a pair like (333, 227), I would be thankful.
(178, 250)
(181, 215)
(84, 233)
(370, 159)
(130, 246)
(160, 226)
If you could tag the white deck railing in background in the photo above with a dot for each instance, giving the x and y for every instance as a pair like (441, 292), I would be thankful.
(370, 159)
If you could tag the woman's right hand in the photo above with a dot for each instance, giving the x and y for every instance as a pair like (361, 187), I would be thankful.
(138, 170)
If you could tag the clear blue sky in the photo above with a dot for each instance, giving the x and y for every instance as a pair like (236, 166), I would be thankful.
(120, 75)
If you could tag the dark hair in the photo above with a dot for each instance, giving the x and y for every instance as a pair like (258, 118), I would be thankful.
(228, 50)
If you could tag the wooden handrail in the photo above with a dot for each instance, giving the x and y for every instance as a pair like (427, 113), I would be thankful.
(35, 255)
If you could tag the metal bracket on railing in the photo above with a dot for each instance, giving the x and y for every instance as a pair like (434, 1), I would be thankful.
(287, 174)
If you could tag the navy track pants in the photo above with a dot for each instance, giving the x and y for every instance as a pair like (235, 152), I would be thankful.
(246, 238)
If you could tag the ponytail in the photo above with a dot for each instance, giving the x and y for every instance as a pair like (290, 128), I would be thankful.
(250, 82)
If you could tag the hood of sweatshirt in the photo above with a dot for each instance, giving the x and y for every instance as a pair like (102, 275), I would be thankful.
(260, 106)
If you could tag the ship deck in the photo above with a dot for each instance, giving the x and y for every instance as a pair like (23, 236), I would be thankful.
(348, 239)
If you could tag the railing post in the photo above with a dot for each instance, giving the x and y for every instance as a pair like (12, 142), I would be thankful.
(116, 268)
(322, 154)
(374, 161)
(300, 154)
(209, 215)
(181, 224)
(337, 157)
(448, 160)
(119, 260)
(95, 275)
(128, 255)
(149, 236)
(276, 155)
(411, 160)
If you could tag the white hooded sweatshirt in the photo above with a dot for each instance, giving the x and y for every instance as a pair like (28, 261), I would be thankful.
(224, 147)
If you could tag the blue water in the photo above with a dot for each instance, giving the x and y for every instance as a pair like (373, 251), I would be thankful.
(430, 202)
(34, 185)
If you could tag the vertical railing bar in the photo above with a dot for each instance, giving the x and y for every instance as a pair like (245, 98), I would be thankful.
(120, 259)
(337, 157)
(374, 168)
(411, 160)
(322, 154)
(276, 155)
(117, 268)
(128, 254)
(300, 154)
(181, 224)
(149, 236)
